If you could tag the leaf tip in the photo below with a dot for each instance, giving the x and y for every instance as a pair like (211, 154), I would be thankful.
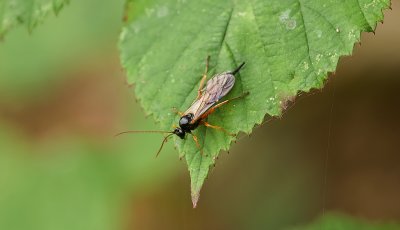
(195, 198)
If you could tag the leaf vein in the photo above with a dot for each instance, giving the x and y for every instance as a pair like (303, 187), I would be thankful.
(363, 14)
(332, 26)
(241, 83)
(306, 37)
(263, 46)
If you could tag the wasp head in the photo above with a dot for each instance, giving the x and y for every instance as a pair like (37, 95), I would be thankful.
(179, 132)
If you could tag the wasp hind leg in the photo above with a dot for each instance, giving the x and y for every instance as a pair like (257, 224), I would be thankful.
(218, 128)
(203, 79)
(212, 109)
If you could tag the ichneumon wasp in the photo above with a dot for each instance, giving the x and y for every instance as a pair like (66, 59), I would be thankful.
(206, 102)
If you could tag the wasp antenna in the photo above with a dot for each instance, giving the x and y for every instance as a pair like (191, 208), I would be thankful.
(162, 144)
(141, 131)
(238, 68)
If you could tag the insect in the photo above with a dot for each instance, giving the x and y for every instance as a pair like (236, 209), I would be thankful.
(206, 102)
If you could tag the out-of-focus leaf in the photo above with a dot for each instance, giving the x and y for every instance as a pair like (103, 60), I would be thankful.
(30, 63)
(26, 12)
(289, 46)
(71, 183)
(341, 222)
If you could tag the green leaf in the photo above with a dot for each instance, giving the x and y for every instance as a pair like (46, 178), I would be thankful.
(27, 12)
(289, 46)
(334, 221)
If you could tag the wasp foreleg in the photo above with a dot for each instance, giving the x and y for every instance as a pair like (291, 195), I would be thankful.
(175, 110)
(197, 143)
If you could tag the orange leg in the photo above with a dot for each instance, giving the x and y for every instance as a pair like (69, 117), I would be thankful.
(197, 143)
(218, 128)
(210, 111)
(203, 79)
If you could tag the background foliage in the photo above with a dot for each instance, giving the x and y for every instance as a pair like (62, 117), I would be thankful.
(26, 12)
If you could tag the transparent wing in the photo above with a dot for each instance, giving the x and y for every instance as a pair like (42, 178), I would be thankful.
(216, 88)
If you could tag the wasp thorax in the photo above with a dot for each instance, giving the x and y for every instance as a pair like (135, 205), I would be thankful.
(185, 121)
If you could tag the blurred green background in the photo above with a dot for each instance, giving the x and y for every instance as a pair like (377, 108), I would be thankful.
(63, 96)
